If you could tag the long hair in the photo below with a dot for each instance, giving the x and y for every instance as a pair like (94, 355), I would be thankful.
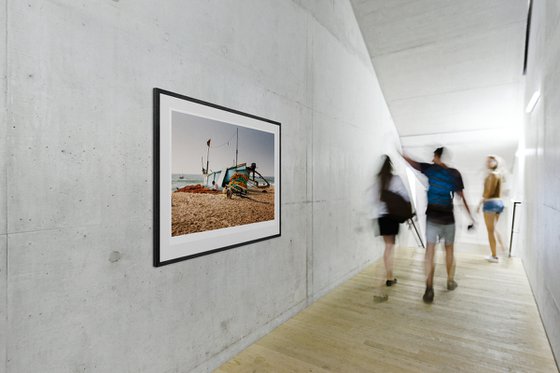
(495, 169)
(385, 173)
(496, 162)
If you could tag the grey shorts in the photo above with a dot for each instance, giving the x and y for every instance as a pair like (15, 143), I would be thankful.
(436, 232)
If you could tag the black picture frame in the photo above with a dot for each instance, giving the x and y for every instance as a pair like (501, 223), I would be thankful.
(177, 105)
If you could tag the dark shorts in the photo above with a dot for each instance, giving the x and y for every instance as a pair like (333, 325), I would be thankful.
(387, 227)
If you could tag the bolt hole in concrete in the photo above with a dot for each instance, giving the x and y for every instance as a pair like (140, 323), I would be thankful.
(115, 257)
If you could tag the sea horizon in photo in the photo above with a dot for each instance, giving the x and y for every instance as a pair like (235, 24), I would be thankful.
(179, 181)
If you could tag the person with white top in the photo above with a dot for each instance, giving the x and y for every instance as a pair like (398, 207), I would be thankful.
(389, 228)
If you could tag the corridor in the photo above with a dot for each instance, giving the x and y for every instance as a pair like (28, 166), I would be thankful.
(490, 323)
(200, 186)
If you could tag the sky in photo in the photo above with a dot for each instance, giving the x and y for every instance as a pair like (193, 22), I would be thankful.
(190, 134)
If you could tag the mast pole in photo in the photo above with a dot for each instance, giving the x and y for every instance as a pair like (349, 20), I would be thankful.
(207, 161)
(207, 156)
(236, 147)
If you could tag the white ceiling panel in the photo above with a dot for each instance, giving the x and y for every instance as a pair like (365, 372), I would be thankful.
(474, 109)
(453, 65)
(392, 26)
(451, 71)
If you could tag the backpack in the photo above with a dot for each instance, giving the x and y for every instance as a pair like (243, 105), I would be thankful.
(400, 210)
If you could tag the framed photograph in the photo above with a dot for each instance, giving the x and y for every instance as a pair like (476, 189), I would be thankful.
(216, 178)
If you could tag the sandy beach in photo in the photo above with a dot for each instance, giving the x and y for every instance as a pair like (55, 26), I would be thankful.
(200, 212)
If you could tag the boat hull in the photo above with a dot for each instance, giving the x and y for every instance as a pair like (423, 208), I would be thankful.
(223, 177)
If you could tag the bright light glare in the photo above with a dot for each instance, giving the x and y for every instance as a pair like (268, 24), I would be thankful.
(525, 152)
(412, 183)
(533, 102)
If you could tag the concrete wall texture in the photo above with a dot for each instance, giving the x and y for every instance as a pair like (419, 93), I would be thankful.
(3, 181)
(541, 246)
(76, 108)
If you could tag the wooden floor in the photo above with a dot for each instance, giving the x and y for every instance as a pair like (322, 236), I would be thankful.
(490, 323)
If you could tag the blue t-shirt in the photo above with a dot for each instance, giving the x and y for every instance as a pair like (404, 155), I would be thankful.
(444, 182)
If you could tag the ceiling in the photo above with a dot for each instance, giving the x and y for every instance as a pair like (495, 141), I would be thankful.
(451, 72)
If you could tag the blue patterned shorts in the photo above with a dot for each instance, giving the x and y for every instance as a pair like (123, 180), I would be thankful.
(493, 205)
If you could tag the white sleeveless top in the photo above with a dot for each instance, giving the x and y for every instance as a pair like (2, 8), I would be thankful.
(396, 185)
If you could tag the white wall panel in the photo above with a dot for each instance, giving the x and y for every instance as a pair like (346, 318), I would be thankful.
(540, 150)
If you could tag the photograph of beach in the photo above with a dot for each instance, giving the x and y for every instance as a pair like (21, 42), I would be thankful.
(222, 175)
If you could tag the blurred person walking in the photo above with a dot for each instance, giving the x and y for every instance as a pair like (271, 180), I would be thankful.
(492, 205)
(444, 183)
(393, 208)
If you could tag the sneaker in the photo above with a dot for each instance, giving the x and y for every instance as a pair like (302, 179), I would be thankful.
(391, 282)
(492, 259)
(428, 295)
(451, 284)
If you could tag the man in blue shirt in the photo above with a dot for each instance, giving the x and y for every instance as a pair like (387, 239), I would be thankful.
(444, 183)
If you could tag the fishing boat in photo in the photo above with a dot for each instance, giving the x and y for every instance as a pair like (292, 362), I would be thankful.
(239, 178)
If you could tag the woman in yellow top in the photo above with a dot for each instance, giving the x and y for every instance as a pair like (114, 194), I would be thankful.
(492, 205)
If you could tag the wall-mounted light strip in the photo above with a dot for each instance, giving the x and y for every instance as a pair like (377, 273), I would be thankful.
(533, 102)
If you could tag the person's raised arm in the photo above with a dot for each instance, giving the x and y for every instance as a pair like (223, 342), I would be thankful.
(412, 162)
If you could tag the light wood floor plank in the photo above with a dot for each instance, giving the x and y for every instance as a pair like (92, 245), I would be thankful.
(490, 323)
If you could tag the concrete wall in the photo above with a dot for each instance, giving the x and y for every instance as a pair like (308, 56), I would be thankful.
(541, 151)
(3, 179)
(79, 175)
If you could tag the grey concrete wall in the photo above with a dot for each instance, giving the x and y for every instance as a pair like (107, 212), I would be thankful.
(80, 75)
(350, 129)
(3, 179)
(541, 236)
